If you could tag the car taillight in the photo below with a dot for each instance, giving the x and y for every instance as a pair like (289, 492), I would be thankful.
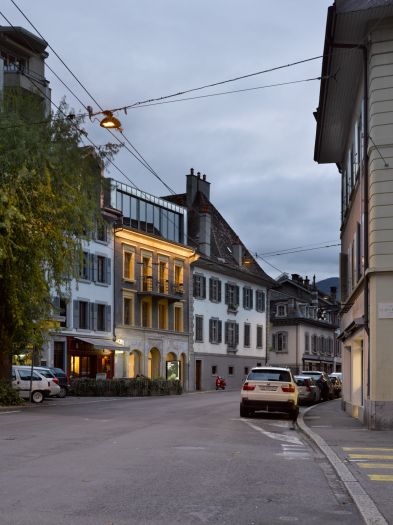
(308, 388)
(55, 380)
(289, 388)
(246, 386)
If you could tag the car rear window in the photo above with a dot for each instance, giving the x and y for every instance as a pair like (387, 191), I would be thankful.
(269, 375)
(46, 373)
(315, 376)
(301, 381)
(58, 372)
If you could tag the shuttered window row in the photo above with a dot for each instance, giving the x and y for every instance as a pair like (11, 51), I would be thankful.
(92, 316)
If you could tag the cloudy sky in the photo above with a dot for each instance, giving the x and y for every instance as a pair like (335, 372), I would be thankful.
(256, 147)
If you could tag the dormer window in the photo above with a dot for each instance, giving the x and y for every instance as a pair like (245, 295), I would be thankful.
(281, 310)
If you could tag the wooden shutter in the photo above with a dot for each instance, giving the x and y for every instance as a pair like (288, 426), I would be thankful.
(76, 314)
(194, 286)
(226, 332)
(218, 290)
(274, 341)
(237, 294)
(226, 295)
(211, 280)
(236, 334)
(211, 330)
(92, 316)
(219, 331)
(251, 304)
(203, 287)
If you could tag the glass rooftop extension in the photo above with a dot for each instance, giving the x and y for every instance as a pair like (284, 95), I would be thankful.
(149, 214)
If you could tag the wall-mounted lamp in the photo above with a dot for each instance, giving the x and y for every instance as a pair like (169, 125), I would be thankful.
(110, 122)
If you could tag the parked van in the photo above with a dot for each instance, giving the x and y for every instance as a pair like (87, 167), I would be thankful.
(41, 386)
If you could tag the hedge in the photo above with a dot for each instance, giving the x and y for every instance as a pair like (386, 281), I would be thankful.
(124, 387)
(8, 395)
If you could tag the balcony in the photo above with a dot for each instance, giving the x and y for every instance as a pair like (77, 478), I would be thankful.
(163, 289)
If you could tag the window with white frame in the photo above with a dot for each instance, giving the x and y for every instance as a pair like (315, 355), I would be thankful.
(215, 331)
(281, 310)
(232, 296)
(214, 290)
(232, 334)
(280, 342)
(247, 297)
(199, 286)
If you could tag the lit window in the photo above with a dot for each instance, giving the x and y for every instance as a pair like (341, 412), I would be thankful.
(128, 265)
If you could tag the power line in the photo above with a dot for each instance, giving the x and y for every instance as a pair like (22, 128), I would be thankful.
(312, 245)
(229, 92)
(142, 160)
(304, 250)
(235, 79)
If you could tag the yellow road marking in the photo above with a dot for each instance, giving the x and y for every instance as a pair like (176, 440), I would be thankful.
(369, 456)
(380, 477)
(368, 448)
(375, 465)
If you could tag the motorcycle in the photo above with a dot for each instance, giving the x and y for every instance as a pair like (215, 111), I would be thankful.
(220, 383)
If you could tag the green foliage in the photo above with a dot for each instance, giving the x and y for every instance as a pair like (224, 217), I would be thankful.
(8, 395)
(137, 387)
(50, 190)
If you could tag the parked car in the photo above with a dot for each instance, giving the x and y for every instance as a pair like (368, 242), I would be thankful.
(54, 382)
(64, 381)
(337, 385)
(337, 374)
(309, 392)
(270, 389)
(23, 378)
(323, 382)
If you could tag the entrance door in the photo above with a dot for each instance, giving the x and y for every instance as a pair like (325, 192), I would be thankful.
(59, 354)
(198, 374)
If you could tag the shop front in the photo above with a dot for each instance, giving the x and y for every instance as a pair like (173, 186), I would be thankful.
(91, 357)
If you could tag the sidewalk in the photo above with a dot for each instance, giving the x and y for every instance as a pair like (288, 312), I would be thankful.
(363, 459)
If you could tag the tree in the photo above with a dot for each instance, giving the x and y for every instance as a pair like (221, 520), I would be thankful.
(50, 191)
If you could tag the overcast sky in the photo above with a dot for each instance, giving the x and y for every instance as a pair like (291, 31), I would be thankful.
(255, 147)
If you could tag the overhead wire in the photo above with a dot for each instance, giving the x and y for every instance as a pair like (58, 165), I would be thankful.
(140, 159)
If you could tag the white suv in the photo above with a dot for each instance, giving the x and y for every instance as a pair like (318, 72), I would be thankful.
(271, 389)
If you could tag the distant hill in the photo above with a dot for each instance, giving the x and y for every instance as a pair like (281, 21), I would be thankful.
(325, 285)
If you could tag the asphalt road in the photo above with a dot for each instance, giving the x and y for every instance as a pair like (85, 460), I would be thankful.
(165, 460)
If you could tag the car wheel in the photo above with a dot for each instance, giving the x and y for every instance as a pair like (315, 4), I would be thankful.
(63, 392)
(37, 396)
(243, 411)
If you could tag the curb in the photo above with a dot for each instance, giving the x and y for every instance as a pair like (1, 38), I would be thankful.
(362, 500)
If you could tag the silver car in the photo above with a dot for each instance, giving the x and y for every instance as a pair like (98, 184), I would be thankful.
(309, 393)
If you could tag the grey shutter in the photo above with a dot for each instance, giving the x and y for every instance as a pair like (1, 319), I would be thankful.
(236, 334)
(92, 271)
(263, 301)
(211, 289)
(274, 341)
(108, 311)
(237, 295)
(244, 297)
(76, 314)
(204, 287)
(92, 316)
(108, 270)
(226, 332)
(218, 290)
(194, 286)
(211, 330)
(226, 294)
(219, 330)
(251, 298)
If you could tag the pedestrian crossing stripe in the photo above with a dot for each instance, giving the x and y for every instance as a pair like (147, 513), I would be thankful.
(376, 449)
(369, 456)
(380, 477)
(375, 465)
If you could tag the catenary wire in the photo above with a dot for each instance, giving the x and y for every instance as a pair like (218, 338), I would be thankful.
(142, 160)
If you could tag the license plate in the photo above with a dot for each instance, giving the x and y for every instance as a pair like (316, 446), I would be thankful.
(269, 388)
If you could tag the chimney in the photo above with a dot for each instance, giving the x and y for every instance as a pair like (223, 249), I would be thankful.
(205, 226)
(295, 277)
(237, 252)
(196, 183)
(306, 282)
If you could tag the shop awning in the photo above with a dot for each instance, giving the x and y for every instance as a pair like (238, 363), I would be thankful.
(107, 344)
